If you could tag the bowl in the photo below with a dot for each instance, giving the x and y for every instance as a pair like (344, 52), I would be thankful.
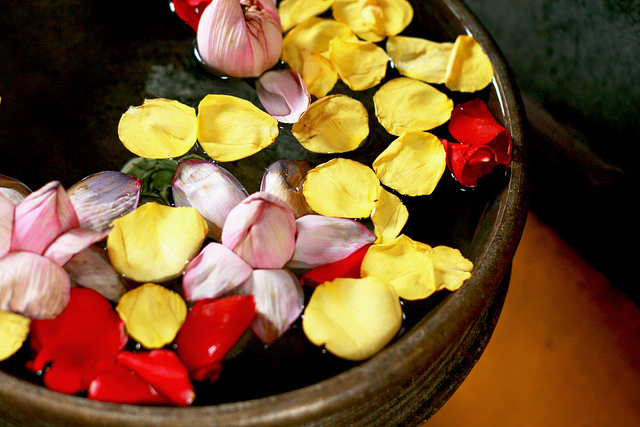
(73, 68)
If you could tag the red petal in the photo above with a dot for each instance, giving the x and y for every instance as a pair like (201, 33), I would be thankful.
(119, 384)
(190, 11)
(348, 267)
(473, 123)
(212, 328)
(469, 162)
(79, 343)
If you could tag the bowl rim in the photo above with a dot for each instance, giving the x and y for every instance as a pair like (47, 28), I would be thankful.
(321, 399)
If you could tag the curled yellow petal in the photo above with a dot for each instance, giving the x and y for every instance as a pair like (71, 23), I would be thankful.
(420, 58)
(155, 242)
(293, 12)
(231, 128)
(470, 69)
(373, 20)
(312, 35)
(352, 318)
(404, 104)
(451, 269)
(158, 129)
(406, 264)
(318, 73)
(333, 124)
(14, 329)
(342, 188)
(412, 164)
(152, 314)
(389, 217)
(361, 64)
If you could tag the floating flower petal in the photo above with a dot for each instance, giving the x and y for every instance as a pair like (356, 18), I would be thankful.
(450, 268)
(412, 164)
(190, 10)
(91, 268)
(374, 20)
(231, 128)
(152, 314)
(284, 179)
(469, 162)
(318, 72)
(155, 242)
(13, 189)
(347, 267)
(293, 12)
(283, 94)
(158, 129)
(389, 217)
(469, 69)
(353, 318)
(73, 241)
(333, 124)
(361, 65)
(7, 212)
(14, 330)
(406, 104)
(420, 58)
(342, 188)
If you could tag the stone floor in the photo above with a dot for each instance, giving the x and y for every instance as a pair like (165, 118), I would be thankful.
(565, 352)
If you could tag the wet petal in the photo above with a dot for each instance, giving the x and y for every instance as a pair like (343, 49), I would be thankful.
(152, 314)
(223, 131)
(13, 189)
(406, 264)
(373, 20)
(14, 330)
(469, 162)
(190, 10)
(279, 301)
(333, 124)
(420, 58)
(318, 72)
(342, 188)
(347, 267)
(284, 94)
(41, 218)
(312, 35)
(284, 179)
(451, 269)
(158, 129)
(215, 271)
(261, 229)
(91, 268)
(323, 240)
(154, 243)
(361, 65)
(103, 197)
(412, 164)
(469, 69)
(353, 318)
(7, 211)
(293, 12)
(209, 188)
(32, 285)
(407, 104)
(73, 241)
(389, 217)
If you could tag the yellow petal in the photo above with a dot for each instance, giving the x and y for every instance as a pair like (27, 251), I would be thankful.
(158, 129)
(419, 58)
(14, 329)
(342, 188)
(404, 263)
(353, 318)
(293, 12)
(389, 217)
(373, 20)
(231, 128)
(404, 104)
(152, 314)
(312, 35)
(451, 269)
(361, 65)
(412, 164)
(470, 69)
(318, 73)
(333, 124)
(155, 242)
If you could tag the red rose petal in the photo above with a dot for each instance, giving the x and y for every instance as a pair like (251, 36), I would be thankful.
(469, 162)
(119, 384)
(190, 11)
(348, 267)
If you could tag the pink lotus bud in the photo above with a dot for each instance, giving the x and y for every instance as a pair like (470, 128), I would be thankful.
(240, 38)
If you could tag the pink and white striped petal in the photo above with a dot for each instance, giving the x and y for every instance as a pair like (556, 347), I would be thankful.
(283, 94)
(91, 268)
(72, 242)
(13, 189)
(7, 210)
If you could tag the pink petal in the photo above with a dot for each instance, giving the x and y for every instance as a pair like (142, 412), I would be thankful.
(262, 230)
(33, 285)
(41, 217)
(209, 188)
(323, 240)
(13, 189)
(284, 178)
(215, 271)
(72, 242)
(279, 302)
(91, 268)
(283, 94)
(7, 210)
(101, 198)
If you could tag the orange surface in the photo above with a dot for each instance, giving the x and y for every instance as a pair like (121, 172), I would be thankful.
(565, 352)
